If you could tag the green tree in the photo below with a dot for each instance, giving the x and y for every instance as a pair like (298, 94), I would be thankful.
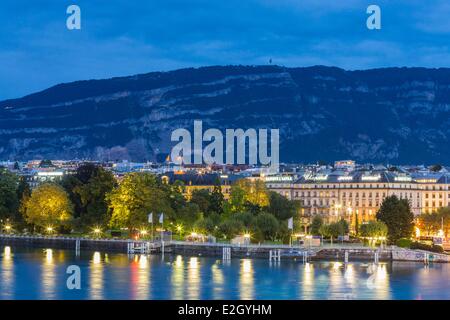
(9, 201)
(325, 231)
(245, 217)
(23, 194)
(374, 229)
(202, 198)
(396, 214)
(70, 183)
(231, 228)
(316, 223)
(87, 189)
(49, 205)
(188, 215)
(216, 200)
(344, 227)
(334, 230)
(444, 214)
(429, 223)
(281, 207)
(267, 225)
(237, 198)
(137, 195)
(92, 194)
(175, 195)
(247, 195)
(205, 225)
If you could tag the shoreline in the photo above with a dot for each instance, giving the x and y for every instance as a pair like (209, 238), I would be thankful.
(227, 251)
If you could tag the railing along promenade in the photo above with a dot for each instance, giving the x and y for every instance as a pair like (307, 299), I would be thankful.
(326, 250)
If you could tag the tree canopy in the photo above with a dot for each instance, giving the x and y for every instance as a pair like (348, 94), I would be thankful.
(247, 194)
(9, 200)
(87, 189)
(430, 223)
(374, 229)
(137, 195)
(396, 214)
(49, 205)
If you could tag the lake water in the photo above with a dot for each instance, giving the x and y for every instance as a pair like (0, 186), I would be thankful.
(41, 274)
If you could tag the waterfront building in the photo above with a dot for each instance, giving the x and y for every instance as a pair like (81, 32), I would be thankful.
(359, 194)
(35, 177)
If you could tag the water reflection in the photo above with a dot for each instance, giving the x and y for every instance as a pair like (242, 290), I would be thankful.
(349, 275)
(147, 277)
(307, 286)
(96, 277)
(7, 253)
(7, 274)
(193, 279)
(48, 281)
(378, 281)
(177, 278)
(336, 287)
(246, 280)
(142, 286)
(218, 281)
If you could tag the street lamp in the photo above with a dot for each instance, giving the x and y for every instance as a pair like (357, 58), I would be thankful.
(97, 231)
(49, 229)
(143, 232)
(247, 237)
(8, 228)
(417, 232)
(179, 229)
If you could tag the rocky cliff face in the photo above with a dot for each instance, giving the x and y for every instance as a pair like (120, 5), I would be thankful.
(399, 115)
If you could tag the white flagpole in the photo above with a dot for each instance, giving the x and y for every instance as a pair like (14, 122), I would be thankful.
(161, 220)
(150, 218)
(290, 227)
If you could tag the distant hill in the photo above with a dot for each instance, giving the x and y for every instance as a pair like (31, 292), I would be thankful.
(396, 115)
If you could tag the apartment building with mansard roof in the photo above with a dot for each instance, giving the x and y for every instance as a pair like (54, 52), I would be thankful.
(353, 195)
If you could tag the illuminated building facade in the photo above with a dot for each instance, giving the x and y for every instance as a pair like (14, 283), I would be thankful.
(358, 195)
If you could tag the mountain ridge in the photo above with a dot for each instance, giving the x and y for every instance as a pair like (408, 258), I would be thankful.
(398, 114)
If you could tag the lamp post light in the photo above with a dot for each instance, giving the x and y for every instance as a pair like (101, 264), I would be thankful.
(179, 229)
(143, 233)
(49, 229)
(417, 231)
(247, 237)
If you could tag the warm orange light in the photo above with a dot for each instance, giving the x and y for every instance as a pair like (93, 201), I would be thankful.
(417, 232)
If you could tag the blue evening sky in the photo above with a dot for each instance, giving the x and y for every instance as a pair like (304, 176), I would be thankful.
(125, 37)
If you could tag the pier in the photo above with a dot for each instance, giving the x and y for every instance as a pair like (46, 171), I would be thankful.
(345, 253)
